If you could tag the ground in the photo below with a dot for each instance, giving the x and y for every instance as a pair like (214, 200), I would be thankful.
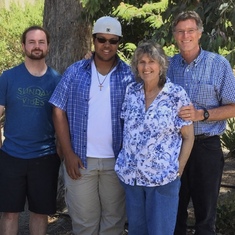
(60, 224)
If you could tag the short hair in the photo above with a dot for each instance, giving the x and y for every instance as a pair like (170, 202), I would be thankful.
(34, 27)
(155, 52)
(186, 15)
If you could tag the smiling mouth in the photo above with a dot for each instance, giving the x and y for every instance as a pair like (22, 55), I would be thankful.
(106, 51)
(37, 51)
(188, 41)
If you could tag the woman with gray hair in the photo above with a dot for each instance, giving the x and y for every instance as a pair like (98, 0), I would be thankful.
(156, 144)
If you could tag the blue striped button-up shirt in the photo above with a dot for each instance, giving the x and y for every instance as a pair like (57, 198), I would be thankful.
(209, 82)
(72, 96)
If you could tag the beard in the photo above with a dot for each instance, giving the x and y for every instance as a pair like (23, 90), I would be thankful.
(36, 54)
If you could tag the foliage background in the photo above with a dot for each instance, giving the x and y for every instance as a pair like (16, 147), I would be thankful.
(13, 21)
(140, 20)
(152, 19)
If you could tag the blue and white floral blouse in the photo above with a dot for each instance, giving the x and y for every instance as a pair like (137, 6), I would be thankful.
(152, 138)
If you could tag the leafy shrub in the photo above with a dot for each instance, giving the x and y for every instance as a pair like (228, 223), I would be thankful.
(225, 223)
(228, 138)
(13, 22)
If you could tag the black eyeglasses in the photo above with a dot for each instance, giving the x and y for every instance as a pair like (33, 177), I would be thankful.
(104, 40)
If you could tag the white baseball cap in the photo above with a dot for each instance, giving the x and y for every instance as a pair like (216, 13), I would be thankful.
(109, 25)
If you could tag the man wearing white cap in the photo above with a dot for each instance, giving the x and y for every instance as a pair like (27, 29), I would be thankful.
(87, 105)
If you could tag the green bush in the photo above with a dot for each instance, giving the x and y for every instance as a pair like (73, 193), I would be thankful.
(225, 223)
(13, 22)
(228, 138)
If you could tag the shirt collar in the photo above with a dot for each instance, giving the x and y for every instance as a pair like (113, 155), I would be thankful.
(195, 61)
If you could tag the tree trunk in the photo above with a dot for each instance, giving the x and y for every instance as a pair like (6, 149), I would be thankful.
(70, 40)
(70, 32)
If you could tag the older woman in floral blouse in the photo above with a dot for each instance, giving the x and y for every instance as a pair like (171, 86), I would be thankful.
(156, 144)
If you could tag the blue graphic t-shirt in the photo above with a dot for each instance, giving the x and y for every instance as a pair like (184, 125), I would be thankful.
(28, 129)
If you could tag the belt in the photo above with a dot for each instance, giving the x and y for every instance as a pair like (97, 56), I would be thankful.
(201, 137)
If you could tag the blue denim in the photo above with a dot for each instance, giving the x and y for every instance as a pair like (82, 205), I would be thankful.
(152, 210)
(201, 182)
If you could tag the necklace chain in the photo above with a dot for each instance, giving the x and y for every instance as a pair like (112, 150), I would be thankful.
(153, 95)
(101, 83)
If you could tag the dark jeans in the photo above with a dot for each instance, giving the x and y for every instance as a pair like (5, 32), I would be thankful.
(201, 182)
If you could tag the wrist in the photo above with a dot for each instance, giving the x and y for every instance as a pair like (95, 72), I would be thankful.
(205, 115)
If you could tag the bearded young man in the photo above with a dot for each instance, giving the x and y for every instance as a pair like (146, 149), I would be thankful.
(29, 163)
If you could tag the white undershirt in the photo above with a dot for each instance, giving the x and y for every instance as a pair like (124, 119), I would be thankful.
(99, 131)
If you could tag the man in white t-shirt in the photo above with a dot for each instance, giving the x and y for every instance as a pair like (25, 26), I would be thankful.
(87, 105)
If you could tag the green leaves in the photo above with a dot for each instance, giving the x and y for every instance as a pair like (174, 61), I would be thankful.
(218, 20)
(228, 138)
(93, 9)
(225, 222)
(152, 19)
(12, 23)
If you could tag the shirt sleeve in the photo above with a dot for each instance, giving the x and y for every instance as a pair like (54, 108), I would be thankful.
(125, 103)
(226, 82)
(183, 100)
(60, 95)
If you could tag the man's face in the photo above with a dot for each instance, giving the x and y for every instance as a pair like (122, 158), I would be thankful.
(106, 46)
(187, 36)
(36, 46)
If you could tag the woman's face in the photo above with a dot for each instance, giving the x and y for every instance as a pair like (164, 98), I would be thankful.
(148, 69)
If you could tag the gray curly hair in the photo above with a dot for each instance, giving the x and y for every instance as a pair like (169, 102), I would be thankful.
(155, 52)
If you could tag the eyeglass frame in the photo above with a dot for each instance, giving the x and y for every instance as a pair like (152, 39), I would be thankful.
(111, 41)
(188, 31)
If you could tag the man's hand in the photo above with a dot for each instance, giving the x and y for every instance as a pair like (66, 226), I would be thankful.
(88, 55)
(189, 113)
(73, 163)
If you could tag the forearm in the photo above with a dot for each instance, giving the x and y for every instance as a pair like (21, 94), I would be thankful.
(62, 131)
(184, 155)
(220, 113)
(71, 160)
(215, 114)
(186, 147)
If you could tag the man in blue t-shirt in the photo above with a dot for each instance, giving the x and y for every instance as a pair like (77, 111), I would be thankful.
(29, 163)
